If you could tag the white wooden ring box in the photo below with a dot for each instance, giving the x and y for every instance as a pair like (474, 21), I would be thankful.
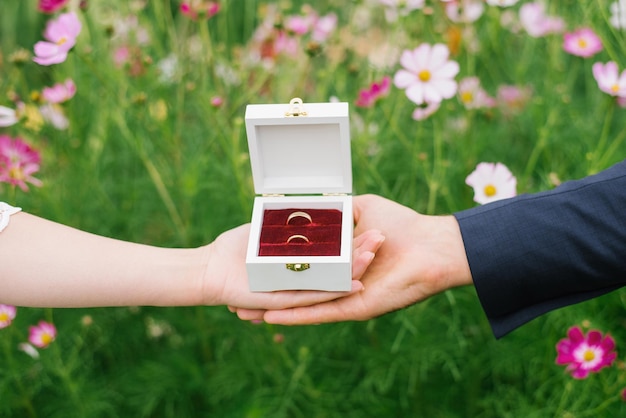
(301, 160)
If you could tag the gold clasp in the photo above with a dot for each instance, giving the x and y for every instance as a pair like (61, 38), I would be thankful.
(296, 108)
(298, 266)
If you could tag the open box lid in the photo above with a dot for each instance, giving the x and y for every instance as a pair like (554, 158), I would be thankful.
(299, 148)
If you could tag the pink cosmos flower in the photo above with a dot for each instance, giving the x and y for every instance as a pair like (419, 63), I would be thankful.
(299, 25)
(585, 353)
(491, 182)
(428, 75)
(473, 96)
(323, 27)
(60, 92)
(502, 3)
(7, 315)
(534, 19)
(513, 98)
(18, 162)
(42, 334)
(368, 97)
(466, 11)
(200, 8)
(61, 35)
(582, 42)
(217, 101)
(285, 44)
(51, 6)
(425, 111)
(608, 78)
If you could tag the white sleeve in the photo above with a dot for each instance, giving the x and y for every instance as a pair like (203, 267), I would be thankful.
(5, 212)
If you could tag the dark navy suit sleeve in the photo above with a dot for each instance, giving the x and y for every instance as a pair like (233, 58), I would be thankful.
(534, 253)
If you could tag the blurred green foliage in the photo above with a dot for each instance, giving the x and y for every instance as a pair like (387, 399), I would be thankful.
(148, 157)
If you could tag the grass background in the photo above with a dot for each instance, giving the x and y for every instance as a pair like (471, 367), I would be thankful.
(154, 161)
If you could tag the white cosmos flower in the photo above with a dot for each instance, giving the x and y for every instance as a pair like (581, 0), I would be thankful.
(8, 116)
(428, 75)
(491, 182)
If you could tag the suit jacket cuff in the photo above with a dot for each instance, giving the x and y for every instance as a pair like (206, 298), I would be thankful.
(534, 253)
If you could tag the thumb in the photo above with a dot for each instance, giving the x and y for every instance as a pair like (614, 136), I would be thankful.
(358, 206)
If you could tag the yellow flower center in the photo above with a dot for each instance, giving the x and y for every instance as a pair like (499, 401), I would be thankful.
(4, 317)
(589, 355)
(467, 97)
(46, 338)
(424, 75)
(16, 173)
(62, 41)
(490, 190)
(582, 43)
(615, 88)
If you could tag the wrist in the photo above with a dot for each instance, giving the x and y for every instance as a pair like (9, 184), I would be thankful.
(456, 269)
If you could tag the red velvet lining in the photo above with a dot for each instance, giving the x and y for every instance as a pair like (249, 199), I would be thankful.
(324, 233)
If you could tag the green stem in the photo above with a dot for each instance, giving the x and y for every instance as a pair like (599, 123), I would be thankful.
(438, 171)
(155, 176)
(68, 382)
(604, 135)
(544, 132)
(26, 401)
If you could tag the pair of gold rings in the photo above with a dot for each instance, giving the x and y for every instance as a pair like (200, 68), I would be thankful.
(298, 237)
(299, 214)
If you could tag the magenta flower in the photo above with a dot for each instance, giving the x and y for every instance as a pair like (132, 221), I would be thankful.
(217, 101)
(61, 35)
(60, 92)
(428, 75)
(368, 97)
(51, 6)
(492, 182)
(42, 334)
(585, 353)
(200, 8)
(608, 78)
(18, 162)
(7, 315)
(534, 19)
(582, 42)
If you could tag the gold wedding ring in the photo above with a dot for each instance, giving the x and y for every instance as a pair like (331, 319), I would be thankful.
(299, 214)
(297, 236)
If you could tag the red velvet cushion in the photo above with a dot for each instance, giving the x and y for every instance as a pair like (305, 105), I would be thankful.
(324, 232)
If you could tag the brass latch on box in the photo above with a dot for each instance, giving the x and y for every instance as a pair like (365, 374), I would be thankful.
(296, 108)
(298, 266)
